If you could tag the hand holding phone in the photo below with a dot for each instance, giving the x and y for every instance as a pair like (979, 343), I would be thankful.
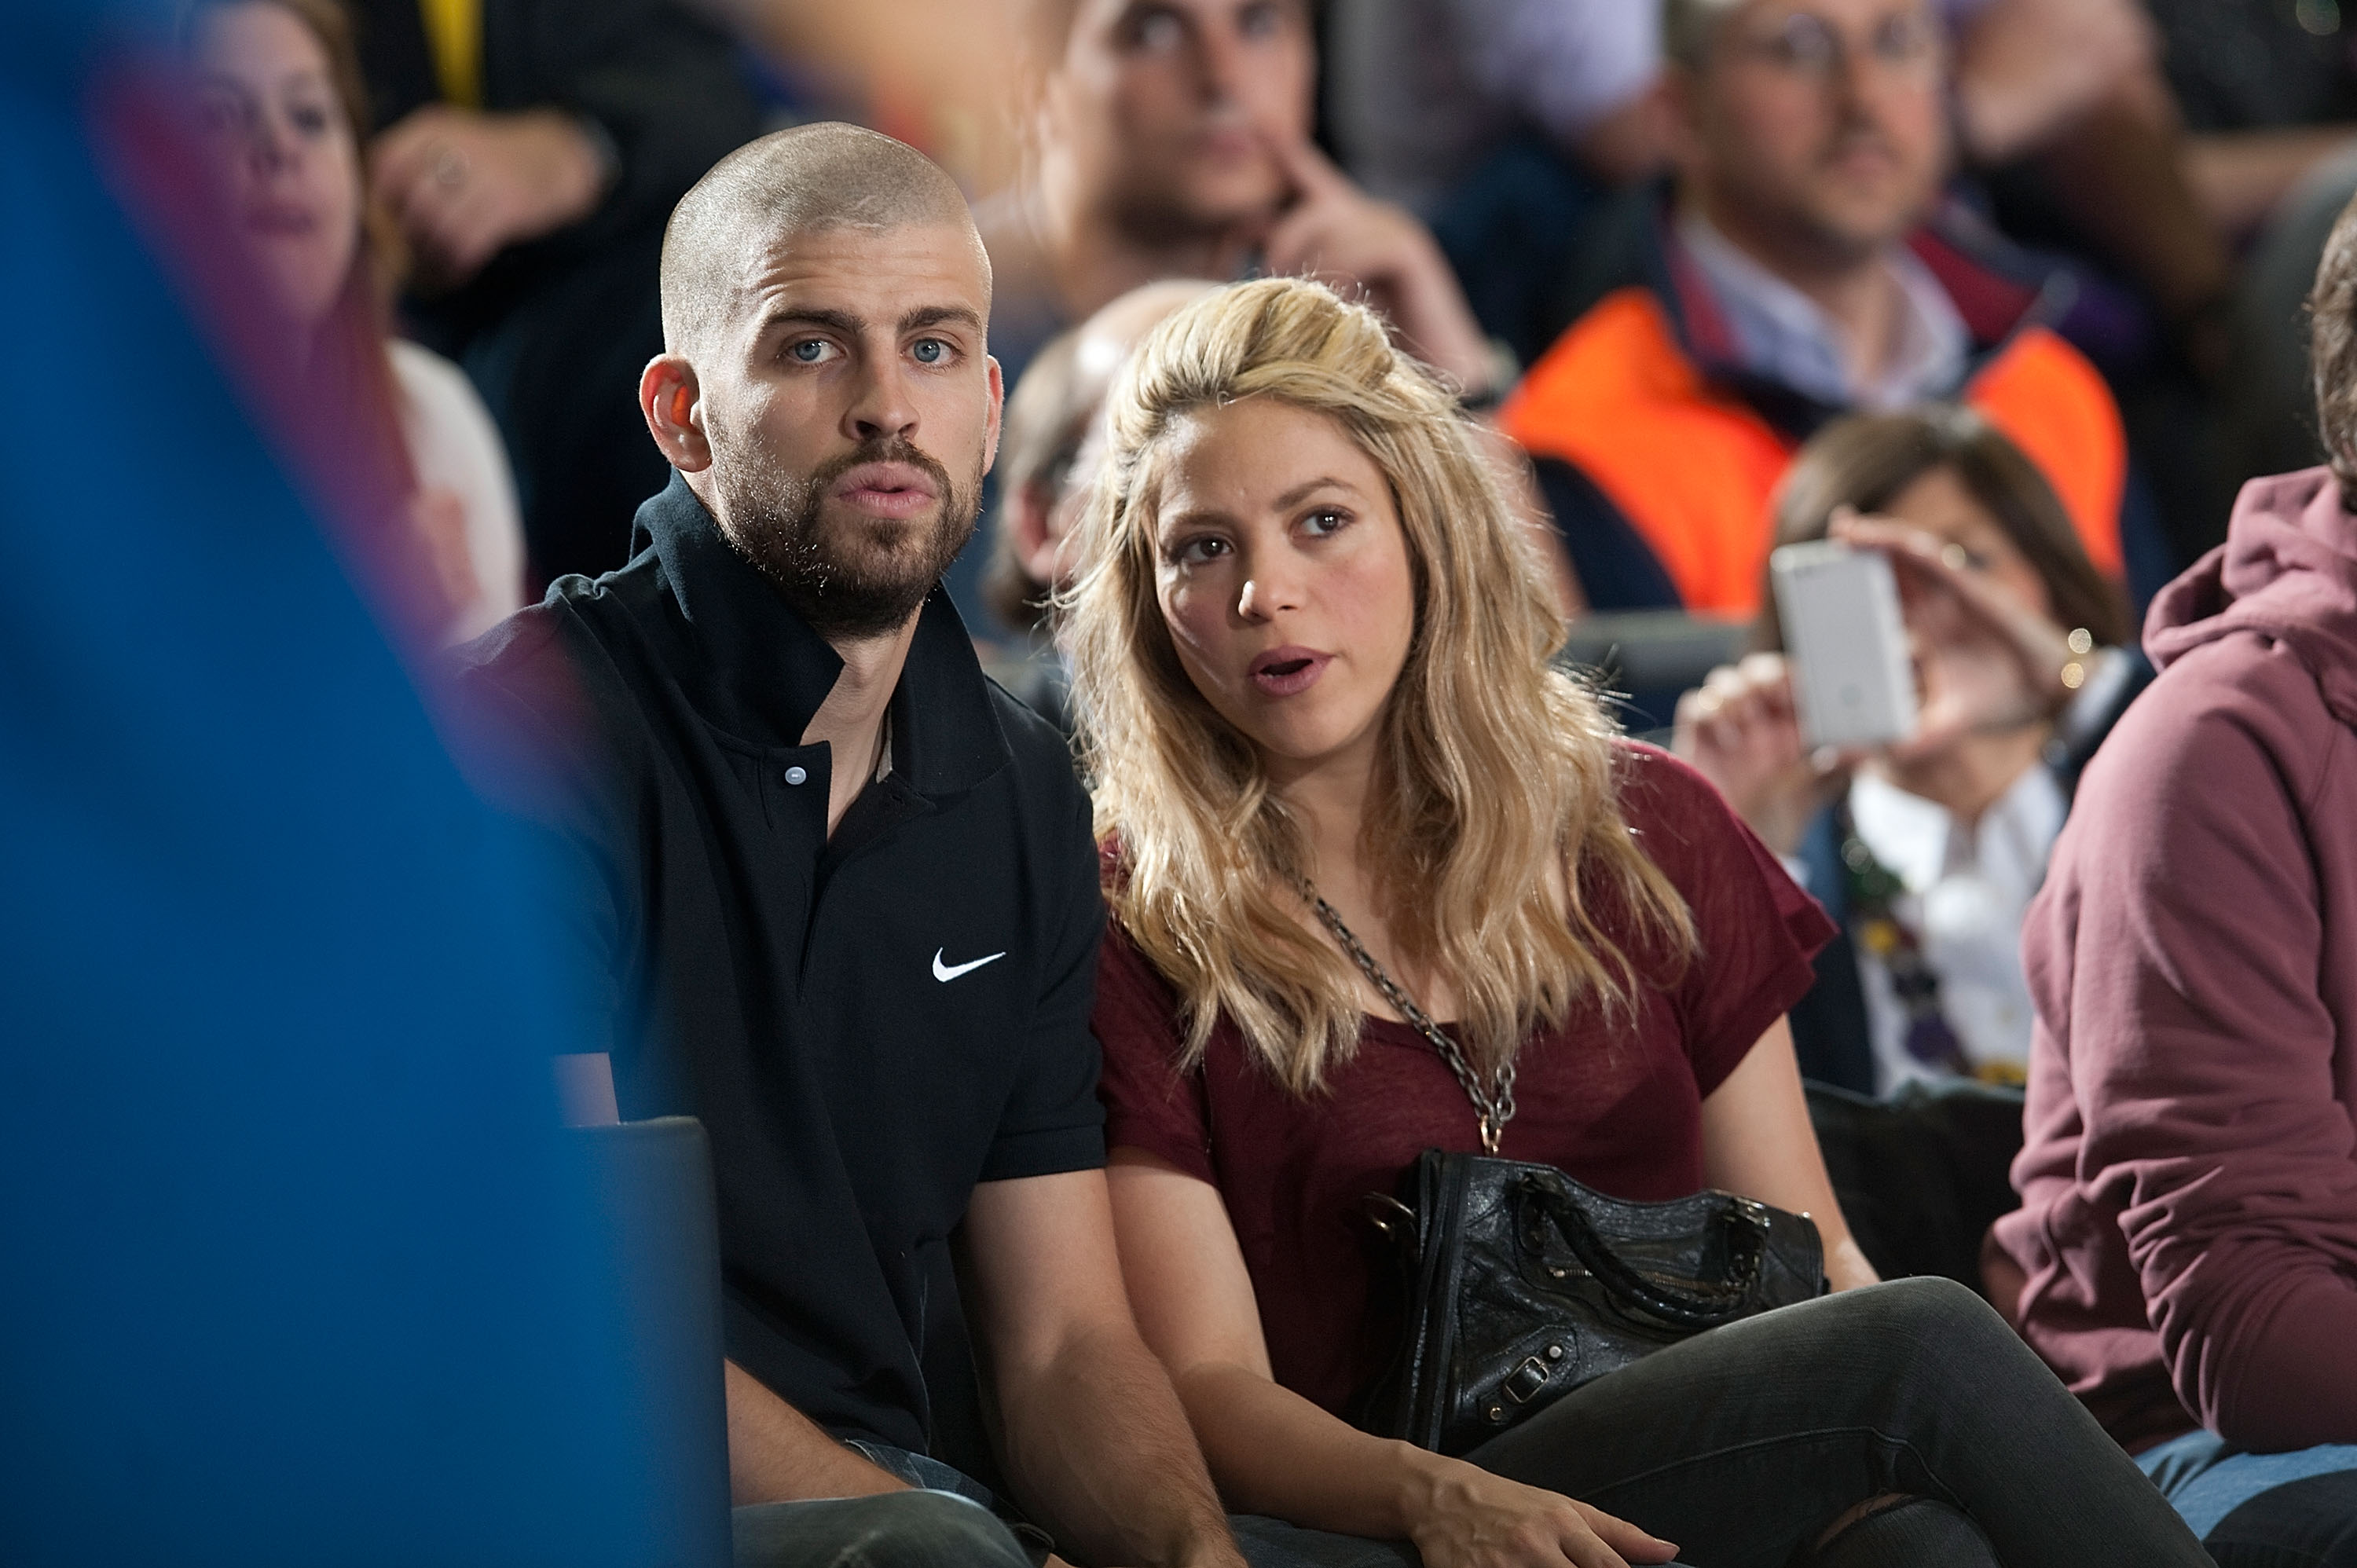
(1853, 681)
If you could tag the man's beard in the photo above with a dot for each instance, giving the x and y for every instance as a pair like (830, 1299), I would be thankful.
(850, 576)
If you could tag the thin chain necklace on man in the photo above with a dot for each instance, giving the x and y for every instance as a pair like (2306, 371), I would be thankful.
(1495, 1102)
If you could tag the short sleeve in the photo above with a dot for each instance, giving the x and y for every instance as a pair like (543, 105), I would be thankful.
(1757, 929)
(1149, 1103)
(1052, 1122)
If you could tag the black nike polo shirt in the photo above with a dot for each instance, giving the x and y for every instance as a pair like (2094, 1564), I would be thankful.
(867, 1026)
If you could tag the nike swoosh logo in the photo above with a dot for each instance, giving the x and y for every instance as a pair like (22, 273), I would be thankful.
(945, 973)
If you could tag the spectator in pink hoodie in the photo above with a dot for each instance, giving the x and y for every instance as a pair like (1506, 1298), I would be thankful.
(2185, 1254)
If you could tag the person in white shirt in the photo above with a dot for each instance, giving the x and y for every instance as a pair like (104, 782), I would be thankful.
(1928, 851)
(279, 91)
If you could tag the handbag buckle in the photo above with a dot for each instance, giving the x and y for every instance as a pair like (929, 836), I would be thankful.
(1523, 1383)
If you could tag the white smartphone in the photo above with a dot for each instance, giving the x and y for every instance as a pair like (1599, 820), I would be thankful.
(1852, 682)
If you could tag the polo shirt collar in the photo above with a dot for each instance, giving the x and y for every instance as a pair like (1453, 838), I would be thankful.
(757, 670)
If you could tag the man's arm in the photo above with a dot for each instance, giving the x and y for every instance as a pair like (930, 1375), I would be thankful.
(1093, 1436)
(776, 1454)
(2201, 1054)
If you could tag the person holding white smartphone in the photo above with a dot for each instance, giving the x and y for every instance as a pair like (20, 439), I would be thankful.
(1926, 848)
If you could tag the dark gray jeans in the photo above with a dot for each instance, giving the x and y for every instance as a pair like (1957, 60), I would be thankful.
(1743, 1444)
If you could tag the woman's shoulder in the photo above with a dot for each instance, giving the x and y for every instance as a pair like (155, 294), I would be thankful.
(451, 434)
(1672, 809)
(1133, 1000)
(432, 384)
(1728, 877)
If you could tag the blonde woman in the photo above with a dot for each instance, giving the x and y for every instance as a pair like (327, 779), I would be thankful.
(1310, 663)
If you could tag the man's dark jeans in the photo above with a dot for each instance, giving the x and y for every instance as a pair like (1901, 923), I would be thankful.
(892, 1529)
(2262, 1510)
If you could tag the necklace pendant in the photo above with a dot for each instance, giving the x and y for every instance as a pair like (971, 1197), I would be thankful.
(1493, 1133)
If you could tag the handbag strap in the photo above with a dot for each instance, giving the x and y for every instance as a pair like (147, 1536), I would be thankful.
(1493, 1101)
(1704, 1307)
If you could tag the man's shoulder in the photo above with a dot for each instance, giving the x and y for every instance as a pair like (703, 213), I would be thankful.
(1039, 756)
(542, 652)
(548, 685)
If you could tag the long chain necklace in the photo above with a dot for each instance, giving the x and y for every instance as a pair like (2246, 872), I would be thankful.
(1494, 1101)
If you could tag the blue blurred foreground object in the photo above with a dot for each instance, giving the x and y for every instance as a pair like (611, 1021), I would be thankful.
(297, 1265)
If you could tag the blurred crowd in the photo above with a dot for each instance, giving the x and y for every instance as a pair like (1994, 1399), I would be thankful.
(2017, 296)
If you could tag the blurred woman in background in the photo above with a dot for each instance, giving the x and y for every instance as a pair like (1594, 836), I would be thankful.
(1927, 852)
(282, 104)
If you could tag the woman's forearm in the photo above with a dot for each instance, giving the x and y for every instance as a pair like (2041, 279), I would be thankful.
(1273, 1452)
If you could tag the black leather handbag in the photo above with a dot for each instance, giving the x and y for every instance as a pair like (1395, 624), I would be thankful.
(1520, 1284)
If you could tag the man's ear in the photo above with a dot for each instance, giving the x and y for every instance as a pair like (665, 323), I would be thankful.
(997, 408)
(1031, 529)
(673, 405)
(1677, 116)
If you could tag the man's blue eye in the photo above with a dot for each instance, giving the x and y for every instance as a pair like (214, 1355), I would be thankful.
(808, 350)
(929, 351)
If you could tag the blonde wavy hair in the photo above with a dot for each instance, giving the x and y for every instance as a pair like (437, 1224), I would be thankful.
(1493, 765)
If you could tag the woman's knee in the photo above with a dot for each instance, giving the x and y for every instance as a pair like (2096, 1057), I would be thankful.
(1914, 1532)
(1932, 1313)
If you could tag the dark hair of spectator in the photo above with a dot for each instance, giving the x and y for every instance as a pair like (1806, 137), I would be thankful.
(1037, 446)
(2332, 351)
(1868, 461)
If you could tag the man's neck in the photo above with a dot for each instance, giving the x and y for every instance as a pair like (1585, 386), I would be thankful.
(1855, 289)
(851, 720)
(1095, 253)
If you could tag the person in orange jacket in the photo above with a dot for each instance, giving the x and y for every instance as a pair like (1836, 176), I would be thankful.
(1790, 275)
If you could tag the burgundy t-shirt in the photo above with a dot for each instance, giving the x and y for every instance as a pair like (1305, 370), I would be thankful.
(1618, 1105)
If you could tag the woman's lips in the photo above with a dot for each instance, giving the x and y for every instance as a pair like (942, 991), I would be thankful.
(276, 218)
(1288, 671)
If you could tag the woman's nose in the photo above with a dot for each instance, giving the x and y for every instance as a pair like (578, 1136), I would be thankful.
(265, 146)
(1264, 594)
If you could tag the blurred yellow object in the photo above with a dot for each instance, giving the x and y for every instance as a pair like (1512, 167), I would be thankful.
(454, 29)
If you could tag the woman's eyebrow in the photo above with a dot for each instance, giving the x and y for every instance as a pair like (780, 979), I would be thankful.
(1308, 487)
(1172, 521)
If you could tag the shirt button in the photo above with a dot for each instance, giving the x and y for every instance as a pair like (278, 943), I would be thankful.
(796, 774)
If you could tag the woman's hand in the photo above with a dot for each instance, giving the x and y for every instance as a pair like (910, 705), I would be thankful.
(1740, 730)
(1988, 662)
(464, 186)
(1468, 1517)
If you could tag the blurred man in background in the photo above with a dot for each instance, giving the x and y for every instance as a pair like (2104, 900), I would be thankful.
(1785, 281)
(533, 150)
(1172, 140)
(1046, 465)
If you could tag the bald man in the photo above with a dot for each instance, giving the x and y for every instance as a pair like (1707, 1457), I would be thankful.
(839, 891)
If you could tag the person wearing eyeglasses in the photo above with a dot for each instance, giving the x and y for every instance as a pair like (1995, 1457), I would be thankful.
(1795, 270)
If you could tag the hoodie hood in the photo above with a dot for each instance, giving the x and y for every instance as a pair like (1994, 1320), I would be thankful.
(2288, 571)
